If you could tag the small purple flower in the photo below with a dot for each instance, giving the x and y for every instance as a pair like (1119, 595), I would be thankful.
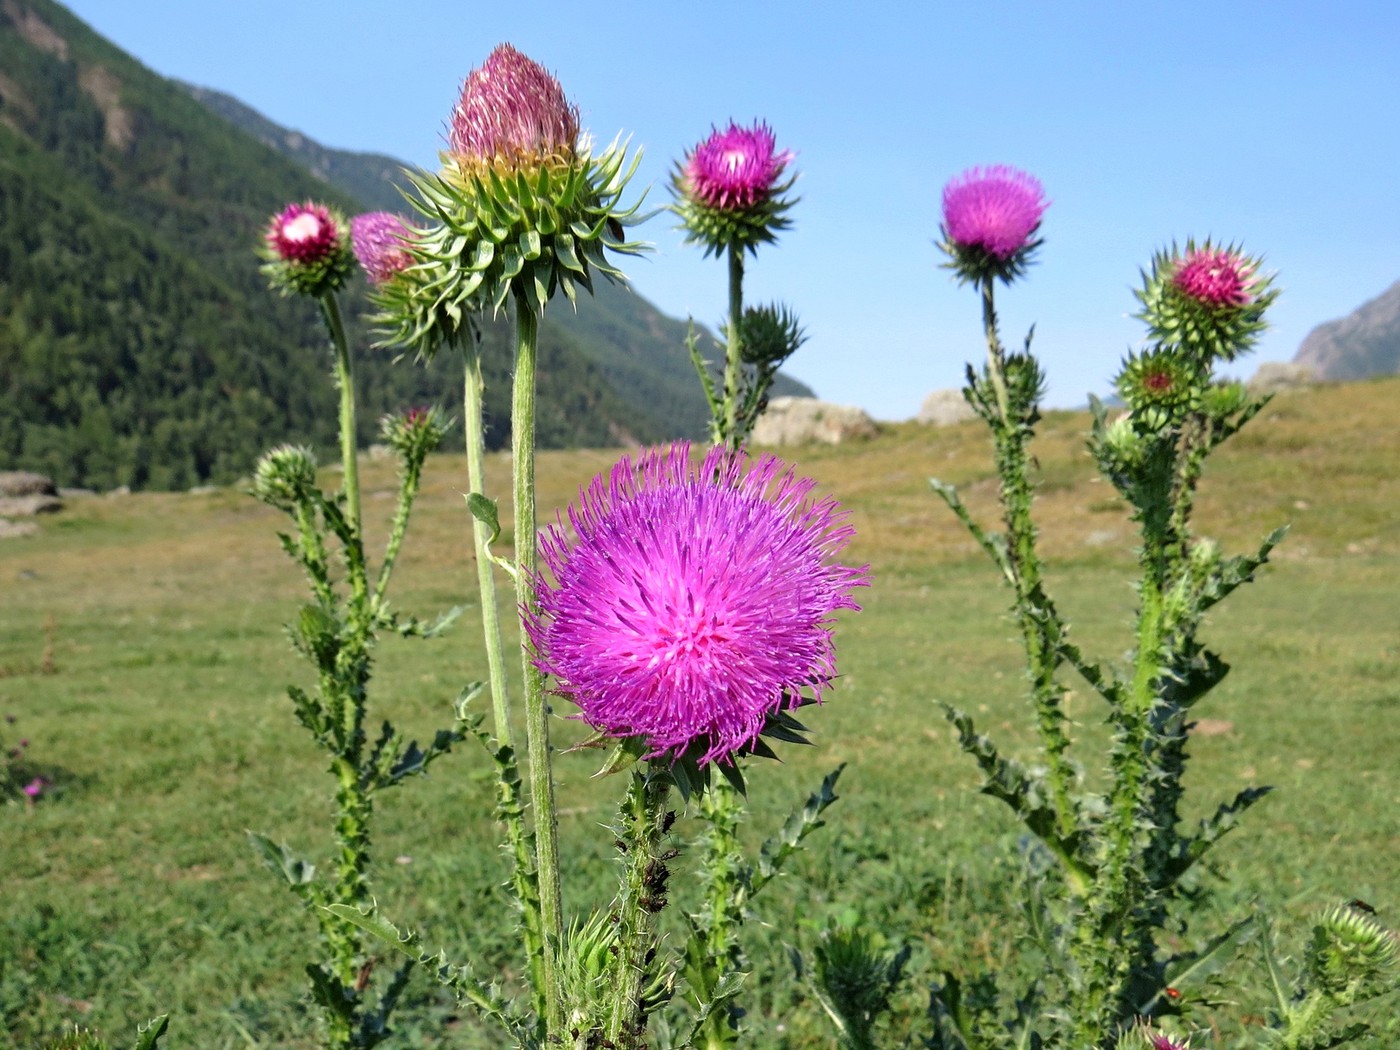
(736, 168)
(1215, 277)
(694, 600)
(512, 110)
(35, 787)
(303, 234)
(378, 238)
(995, 209)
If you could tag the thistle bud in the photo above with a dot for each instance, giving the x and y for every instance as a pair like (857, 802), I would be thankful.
(415, 433)
(285, 477)
(512, 114)
(521, 209)
(306, 249)
(769, 335)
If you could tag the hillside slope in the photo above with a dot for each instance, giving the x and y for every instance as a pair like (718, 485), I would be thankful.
(1364, 343)
(138, 343)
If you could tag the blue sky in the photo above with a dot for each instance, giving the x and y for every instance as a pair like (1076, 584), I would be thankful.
(1269, 124)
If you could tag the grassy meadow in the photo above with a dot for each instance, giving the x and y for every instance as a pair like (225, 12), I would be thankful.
(142, 653)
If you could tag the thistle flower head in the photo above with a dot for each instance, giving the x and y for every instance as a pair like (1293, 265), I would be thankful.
(693, 601)
(512, 114)
(379, 239)
(522, 208)
(736, 168)
(1215, 277)
(306, 250)
(990, 218)
(1208, 300)
(729, 189)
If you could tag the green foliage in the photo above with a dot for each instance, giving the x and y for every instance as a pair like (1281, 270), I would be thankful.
(137, 343)
(168, 705)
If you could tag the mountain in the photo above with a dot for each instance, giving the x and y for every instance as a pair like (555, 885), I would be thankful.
(138, 342)
(639, 350)
(1364, 343)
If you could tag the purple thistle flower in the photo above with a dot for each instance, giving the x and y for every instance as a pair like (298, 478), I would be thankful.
(378, 238)
(1215, 277)
(35, 787)
(512, 109)
(695, 601)
(736, 168)
(303, 234)
(995, 209)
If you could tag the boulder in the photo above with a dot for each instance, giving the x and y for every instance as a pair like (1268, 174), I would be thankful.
(11, 529)
(28, 506)
(25, 483)
(945, 407)
(1273, 376)
(806, 420)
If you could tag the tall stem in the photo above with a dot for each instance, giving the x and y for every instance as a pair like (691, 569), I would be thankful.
(643, 814)
(536, 708)
(1034, 611)
(345, 381)
(995, 355)
(733, 362)
(475, 427)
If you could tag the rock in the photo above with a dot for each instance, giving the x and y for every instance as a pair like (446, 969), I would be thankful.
(945, 407)
(24, 483)
(28, 506)
(13, 529)
(806, 420)
(1273, 376)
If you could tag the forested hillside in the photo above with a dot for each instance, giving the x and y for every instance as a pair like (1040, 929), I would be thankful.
(138, 343)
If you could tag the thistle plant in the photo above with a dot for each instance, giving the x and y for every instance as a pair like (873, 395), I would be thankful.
(730, 195)
(1114, 861)
(685, 610)
(308, 252)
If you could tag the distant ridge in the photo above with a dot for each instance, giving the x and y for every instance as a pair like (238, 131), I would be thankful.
(1362, 344)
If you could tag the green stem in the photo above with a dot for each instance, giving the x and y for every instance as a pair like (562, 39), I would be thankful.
(536, 709)
(996, 356)
(475, 426)
(1035, 613)
(523, 879)
(645, 895)
(408, 491)
(733, 362)
(345, 381)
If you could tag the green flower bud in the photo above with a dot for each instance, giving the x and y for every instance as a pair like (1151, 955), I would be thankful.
(285, 477)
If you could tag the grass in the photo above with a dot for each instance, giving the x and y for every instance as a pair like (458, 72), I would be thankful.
(142, 653)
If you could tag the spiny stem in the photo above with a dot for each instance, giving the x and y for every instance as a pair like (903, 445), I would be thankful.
(1034, 611)
(536, 709)
(644, 896)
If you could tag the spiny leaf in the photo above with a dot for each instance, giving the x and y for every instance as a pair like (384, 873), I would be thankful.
(148, 1035)
(282, 861)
